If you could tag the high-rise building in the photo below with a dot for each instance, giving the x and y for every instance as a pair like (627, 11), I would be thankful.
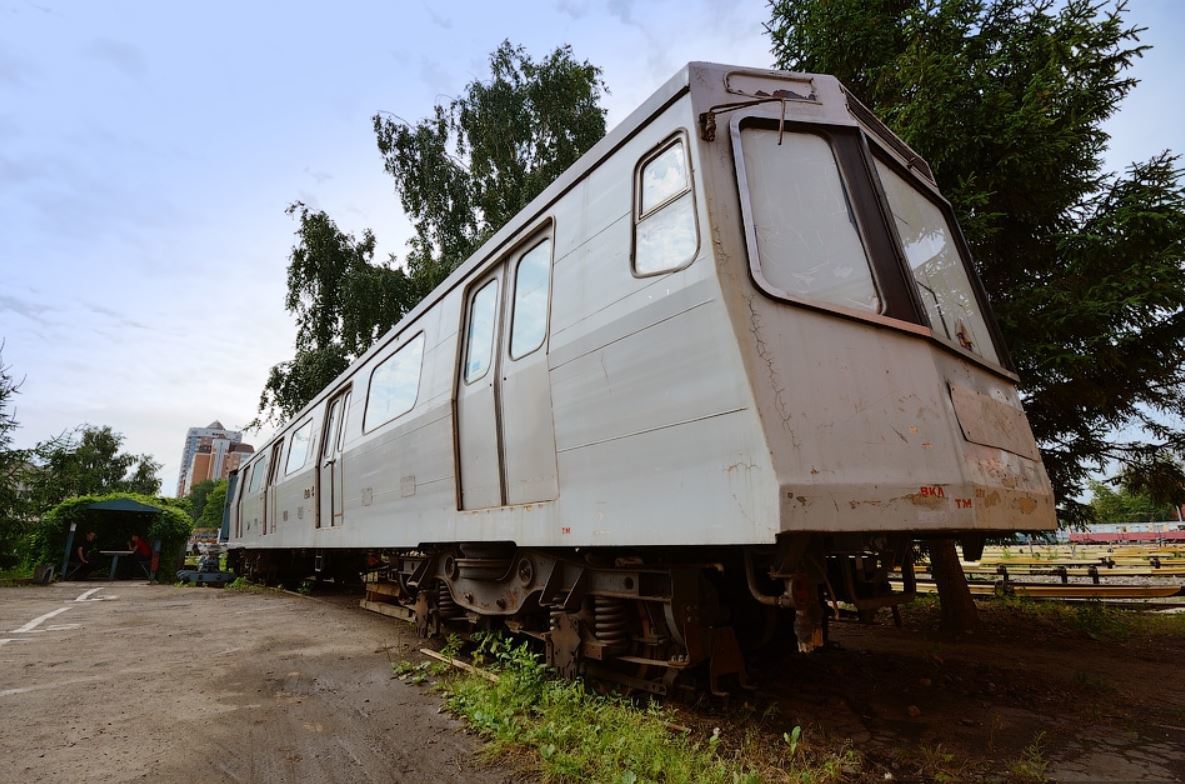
(210, 452)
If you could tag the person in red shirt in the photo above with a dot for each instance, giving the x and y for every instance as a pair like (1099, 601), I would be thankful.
(141, 551)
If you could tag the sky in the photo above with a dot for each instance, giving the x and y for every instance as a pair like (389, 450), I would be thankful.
(148, 150)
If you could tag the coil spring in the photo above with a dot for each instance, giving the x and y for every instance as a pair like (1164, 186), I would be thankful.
(445, 605)
(609, 620)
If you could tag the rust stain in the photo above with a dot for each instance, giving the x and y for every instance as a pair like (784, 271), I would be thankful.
(990, 500)
(1026, 504)
(929, 501)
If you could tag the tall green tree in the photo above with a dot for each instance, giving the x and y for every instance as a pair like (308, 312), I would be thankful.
(342, 300)
(460, 175)
(481, 157)
(211, 514)
(198, 496)
(13, 464)
(87, 461)
(1007, 99)
(1123, 505)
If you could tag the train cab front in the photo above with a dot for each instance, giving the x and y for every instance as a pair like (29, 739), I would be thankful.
(888, 401)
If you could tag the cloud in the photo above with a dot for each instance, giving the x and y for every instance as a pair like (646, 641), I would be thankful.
(121, 55)
(319, 177)
(623, 10)
(443, 22)
(435, 76)
(13, 70)
(573, 8)
(34, 311)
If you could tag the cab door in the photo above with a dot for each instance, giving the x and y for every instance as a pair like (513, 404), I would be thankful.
(329, 471)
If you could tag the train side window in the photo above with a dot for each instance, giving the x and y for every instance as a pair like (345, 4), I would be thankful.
(479, 342)
(528, 324)
(665, 234)
(298, 448)
(394, 384)
(801, 223)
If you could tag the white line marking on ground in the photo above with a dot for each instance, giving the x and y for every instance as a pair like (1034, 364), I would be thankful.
(33, 624)
(85, 595)
(4, 641)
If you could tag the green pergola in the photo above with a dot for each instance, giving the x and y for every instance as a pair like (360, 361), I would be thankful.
(125, 506)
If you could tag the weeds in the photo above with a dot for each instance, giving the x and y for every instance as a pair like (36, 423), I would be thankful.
(577, 735)
(1032, 766)
(245, 585)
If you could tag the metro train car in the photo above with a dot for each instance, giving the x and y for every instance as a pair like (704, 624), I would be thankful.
(1163, 532)
(716, 379)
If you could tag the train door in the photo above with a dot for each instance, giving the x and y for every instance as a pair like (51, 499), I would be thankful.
(505, 435)
(478, 444)
(528, 432)
(329, 471)
(241, 493)
(269, 493)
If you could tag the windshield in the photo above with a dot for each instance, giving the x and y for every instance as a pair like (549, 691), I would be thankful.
(808, 243)
(937, 267)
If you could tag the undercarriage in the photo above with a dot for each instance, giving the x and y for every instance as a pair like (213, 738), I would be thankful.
(651, 619)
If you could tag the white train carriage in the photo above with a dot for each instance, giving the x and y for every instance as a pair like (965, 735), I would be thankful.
(738, 342)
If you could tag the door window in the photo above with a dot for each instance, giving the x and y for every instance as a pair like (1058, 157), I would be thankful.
(483, 309)
(529, 320)
(298, 450)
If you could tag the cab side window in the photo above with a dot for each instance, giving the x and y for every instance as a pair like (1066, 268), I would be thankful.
(665, 235)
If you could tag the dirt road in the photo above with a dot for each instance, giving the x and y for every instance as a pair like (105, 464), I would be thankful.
(126, 682)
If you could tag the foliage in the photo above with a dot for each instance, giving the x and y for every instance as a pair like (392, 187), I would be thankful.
(460, 176)
(211, 514)
(1120, 505)
(171, 526)
(343, 302)
(576, 735)
(1006, 99)
(464, 172)
(13, 462)
(87, 461)
(197, 497)
(1032, 766)
(1160, 477)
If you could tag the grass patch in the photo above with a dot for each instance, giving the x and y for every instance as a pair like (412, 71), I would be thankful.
(17, 575)
(572, 734)
(246, 586)
(1091, 619)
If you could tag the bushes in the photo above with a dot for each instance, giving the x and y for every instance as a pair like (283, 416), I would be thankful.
(172, 526)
